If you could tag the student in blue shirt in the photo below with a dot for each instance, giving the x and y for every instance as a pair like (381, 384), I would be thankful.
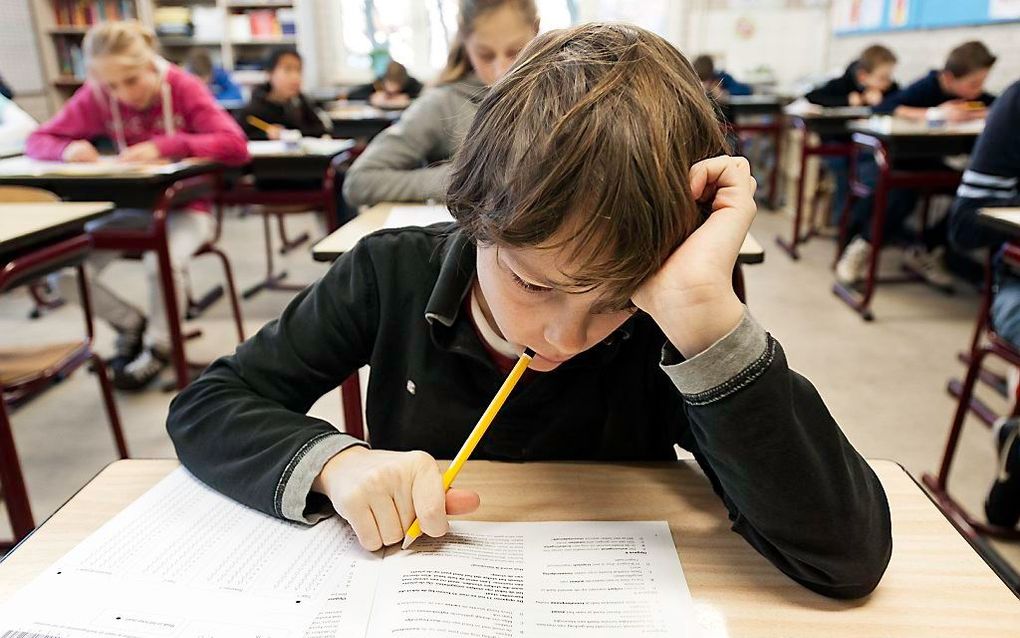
(215, 77)
(991, 181)
(718, 83)
(957, 92)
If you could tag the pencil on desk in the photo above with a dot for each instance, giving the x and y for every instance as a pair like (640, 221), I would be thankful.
(260, 124)
(476, 434)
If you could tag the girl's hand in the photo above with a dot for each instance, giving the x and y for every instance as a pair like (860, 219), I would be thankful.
(691, 297)
(274, 131)
(80, 151)
(141, 152)
(380, 493)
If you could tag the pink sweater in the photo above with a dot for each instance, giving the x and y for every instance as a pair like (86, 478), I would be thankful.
(199, 126)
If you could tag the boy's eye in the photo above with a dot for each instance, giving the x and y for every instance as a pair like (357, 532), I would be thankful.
(525, 285)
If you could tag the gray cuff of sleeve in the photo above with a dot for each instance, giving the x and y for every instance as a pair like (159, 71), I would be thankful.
(744, 352)
(296, 482)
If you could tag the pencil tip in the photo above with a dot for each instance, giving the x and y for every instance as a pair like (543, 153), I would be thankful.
(407, 542)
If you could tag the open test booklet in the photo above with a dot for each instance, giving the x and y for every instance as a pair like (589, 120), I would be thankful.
(186, 562)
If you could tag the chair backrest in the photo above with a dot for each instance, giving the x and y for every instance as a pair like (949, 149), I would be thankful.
(23, 194)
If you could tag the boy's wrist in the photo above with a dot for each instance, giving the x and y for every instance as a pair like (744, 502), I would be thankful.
(321, 482)
(693, 327)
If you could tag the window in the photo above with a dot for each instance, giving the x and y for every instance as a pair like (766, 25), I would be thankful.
(416, 33)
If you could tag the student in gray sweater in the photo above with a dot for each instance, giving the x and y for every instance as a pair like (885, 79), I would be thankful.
(410, 160)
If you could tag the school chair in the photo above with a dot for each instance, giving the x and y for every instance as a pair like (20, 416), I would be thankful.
(41, 296)
(154, 239)
(810, 146)
(984, 343)
(926, 182)
(350, 402)
(26, 372)
(284, 202)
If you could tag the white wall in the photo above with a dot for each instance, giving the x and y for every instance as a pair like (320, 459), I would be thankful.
(919, 51)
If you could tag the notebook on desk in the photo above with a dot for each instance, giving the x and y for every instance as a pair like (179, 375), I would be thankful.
(187, 562)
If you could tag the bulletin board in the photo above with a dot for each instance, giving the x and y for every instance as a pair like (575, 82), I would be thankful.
(870, 16)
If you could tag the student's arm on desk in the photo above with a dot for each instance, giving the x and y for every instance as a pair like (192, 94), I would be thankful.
(79, 119)
(241, 427)
(391, 169)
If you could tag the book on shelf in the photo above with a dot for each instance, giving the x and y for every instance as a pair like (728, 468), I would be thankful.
(84, 13)
(264, 24)
(70, 59)
(173, 21)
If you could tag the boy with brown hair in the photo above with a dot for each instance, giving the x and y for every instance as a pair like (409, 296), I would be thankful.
(598, 225)
(866, 81)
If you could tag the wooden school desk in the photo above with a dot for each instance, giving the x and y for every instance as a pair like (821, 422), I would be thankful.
(359, 120)
(936, 585)
(829, 125)
(767, 111)
(373, 218)
(156, 188)
(27, 225)
(312, 162)
(891, 140)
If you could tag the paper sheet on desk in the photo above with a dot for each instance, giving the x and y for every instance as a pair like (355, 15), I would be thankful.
(401, 216)
(185, 562)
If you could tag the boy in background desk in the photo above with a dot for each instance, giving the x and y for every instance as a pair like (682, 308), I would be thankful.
(867, 81)
(991, 180)
(394, 89)
(718, 83)
(216, 78)
(954, 94)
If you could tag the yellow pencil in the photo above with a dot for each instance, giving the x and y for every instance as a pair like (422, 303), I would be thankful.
(476, 434)
(260, 124)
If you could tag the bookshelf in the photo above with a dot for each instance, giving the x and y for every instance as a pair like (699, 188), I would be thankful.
(238, 33)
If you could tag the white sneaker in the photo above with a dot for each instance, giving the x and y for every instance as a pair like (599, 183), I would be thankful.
(853, 265)
(929, 265)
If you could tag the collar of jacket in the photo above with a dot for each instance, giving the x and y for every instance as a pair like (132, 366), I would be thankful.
(456, 276)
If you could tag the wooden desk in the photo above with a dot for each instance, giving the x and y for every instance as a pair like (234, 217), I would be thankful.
(737, 106)
(830, 124)
(359, 120)
(23, 225)
(272, 160)
(372, 219)
(138, 188)
(1004, 219)
(906, 139)
(936, 585)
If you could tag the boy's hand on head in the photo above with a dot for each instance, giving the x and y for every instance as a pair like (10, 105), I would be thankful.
(691, 297)
(854, 99)
(141, 152)
(80, 151)
(380, 492)
(872, 97)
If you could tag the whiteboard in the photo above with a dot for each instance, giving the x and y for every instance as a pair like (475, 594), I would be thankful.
(19, 52)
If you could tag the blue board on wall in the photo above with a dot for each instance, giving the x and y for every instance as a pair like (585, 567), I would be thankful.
(934, 14)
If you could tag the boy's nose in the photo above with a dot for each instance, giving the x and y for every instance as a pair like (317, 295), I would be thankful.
(568, 338)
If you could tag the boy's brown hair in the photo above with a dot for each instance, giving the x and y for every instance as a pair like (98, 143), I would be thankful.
(592, 132)
(969, 57)
(704, 67)
(875, 56)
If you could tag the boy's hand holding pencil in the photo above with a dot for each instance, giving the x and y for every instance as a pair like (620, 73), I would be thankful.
(380, 493)
(691, 297)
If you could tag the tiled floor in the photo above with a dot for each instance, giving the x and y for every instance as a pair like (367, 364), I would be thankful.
(884, 381)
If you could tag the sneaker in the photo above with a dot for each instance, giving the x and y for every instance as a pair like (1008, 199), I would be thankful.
(853, 265)
(141, 371)
(1002, 508)
(128, 346)
(929, 265)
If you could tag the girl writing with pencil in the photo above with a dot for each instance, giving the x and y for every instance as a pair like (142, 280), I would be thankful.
(152, 111)
(598, 223)
(279, 104)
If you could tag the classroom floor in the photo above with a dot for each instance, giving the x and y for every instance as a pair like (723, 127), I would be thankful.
(884, 381)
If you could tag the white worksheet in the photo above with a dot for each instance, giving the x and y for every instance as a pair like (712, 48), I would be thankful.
(186, 562)
(420, 215)
(106, 166)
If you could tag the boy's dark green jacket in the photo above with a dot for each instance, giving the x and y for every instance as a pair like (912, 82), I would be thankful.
(794, 486)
